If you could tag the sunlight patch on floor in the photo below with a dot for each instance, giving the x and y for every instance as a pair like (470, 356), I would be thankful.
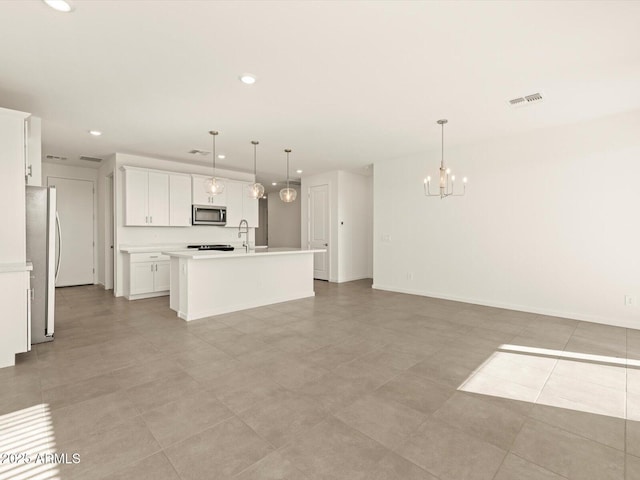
(588, 383)
(25, 436)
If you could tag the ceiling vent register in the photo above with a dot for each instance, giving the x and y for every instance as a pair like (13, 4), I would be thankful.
(90, 159)
(55, 157)
(526, 100)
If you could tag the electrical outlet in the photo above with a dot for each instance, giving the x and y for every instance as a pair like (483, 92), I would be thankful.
(629, 300)
(386, 238)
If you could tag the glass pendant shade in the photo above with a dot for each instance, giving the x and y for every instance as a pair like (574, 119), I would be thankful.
(256, 189)
(288, 195)
(214, 185)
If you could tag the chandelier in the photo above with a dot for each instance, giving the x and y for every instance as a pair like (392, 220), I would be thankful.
(447, 180)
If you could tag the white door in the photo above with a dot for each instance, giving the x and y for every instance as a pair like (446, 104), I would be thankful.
(75, 210)
(319, 229)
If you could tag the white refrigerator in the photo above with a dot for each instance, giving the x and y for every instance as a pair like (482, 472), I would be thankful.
(43, 230)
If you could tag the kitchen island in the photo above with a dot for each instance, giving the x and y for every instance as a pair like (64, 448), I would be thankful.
(206, 283)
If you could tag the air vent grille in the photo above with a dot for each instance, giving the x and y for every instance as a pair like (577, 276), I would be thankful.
(55, 157)
(526, 100)
(195, 151)
(90, 159)
(536, 97)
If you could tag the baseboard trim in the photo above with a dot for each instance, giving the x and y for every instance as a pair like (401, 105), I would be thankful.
(509, 306)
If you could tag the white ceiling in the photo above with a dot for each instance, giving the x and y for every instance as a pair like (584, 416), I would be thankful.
(344, 84)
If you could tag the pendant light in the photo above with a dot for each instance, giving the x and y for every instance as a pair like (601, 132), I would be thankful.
(255, 190)
(214, 185)
(288, 194)
(447, 181)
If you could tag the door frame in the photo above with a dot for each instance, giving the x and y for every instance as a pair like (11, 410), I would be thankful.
(330, 227)
(94, 233)
(109, 233)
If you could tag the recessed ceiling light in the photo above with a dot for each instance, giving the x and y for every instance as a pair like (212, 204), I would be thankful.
(222, 156)
(59, 5)
(95, 133)
(248, 78)
(274, 184)
(298, 171)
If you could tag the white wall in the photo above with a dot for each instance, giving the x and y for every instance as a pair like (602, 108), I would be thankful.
(549, 223)
(284, 221)
(81, 173)
(165, 235)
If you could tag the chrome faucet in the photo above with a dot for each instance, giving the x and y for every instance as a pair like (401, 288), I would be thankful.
(245, 244)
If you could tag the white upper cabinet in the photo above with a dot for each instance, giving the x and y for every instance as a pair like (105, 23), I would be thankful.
(179, 200)
(234, 203)
(250, 208)
(136, 197)
(156, 199)
(201, 197)
(33, 136)
(240, 205)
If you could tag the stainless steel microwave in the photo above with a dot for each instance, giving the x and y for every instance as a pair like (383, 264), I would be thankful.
(208, 215)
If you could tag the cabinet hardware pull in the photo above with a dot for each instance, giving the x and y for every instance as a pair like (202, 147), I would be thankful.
(151, 219)
(152, 267)
(146, 219)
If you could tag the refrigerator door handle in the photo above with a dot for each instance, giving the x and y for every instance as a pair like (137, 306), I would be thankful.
(59, 232)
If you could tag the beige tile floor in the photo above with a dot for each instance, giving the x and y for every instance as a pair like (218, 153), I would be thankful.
(352, 384)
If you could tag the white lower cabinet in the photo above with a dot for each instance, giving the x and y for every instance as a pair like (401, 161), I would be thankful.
(15, 327)
(146, 275)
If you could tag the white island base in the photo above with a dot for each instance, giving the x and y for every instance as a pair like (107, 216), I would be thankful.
(205, 283)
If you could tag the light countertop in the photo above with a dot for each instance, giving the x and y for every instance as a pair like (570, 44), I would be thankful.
(16, 267)
(174, 247)
(238, 252)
